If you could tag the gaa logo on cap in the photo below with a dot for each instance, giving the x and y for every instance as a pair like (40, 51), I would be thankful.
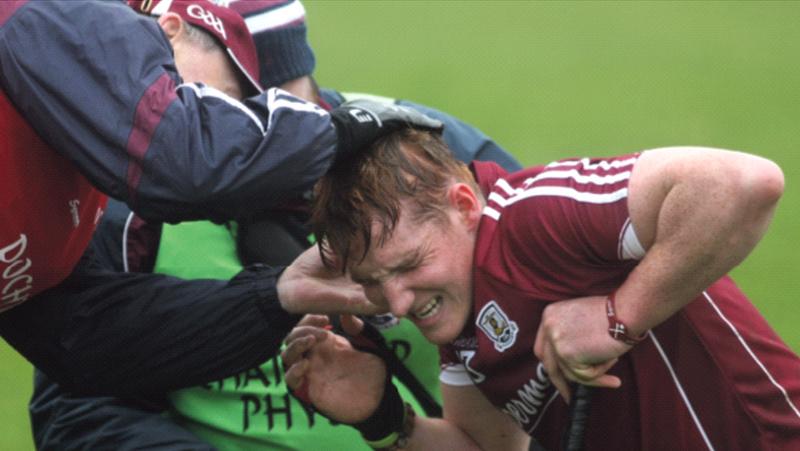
(208, 17)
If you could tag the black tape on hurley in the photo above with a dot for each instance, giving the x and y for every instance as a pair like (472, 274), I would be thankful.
(578, 417)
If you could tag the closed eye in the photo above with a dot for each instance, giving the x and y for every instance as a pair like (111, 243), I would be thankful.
(414, 261)
(367, 282)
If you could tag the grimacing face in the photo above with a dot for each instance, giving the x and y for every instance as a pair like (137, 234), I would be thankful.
(423, 272)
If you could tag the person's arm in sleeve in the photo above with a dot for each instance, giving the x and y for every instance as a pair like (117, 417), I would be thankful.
(61, 421)
(697, 213)
(106, 332)
(97, 82)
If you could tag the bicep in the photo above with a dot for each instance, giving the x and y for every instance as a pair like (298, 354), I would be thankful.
(692, 170)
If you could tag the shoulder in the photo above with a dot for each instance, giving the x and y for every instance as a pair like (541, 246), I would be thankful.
(78, 36)
(541, 189)
(91, 18)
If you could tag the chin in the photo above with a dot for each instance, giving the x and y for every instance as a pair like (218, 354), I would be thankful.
(440, 337)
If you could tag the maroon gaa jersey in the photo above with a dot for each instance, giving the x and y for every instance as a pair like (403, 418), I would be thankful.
(48, 210)
(714, 376)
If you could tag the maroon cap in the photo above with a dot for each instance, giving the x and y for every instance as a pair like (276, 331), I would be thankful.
(224, 24)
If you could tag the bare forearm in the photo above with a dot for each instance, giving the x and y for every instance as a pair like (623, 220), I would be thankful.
(439, 434)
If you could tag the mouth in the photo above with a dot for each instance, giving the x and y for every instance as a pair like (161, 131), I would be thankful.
(428, 310)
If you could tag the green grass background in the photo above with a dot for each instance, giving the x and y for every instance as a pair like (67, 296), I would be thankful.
(556, 79)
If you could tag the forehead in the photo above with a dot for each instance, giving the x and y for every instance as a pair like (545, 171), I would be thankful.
(408, 239)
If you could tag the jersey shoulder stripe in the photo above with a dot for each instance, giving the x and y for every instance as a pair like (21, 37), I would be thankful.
(598, 181)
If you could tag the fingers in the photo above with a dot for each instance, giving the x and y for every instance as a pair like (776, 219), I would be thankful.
(351, 324)
(553, 369)
(301, 340)
(303, 331)
(314, 320)
(594, 375)
(295, 375)
(562, 371)
(546, 354)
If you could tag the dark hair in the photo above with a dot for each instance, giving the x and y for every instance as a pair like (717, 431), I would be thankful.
(410, 167)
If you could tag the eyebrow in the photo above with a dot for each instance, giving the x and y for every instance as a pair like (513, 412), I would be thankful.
(409, 261)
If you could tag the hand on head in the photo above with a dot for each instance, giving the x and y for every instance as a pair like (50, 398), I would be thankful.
(309, 286)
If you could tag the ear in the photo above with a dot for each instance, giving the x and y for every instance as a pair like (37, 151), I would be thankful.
(467, 203)
(172, 24)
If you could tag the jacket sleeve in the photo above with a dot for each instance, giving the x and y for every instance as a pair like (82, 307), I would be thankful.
(97, 81)
(61, 421)
(129, 334)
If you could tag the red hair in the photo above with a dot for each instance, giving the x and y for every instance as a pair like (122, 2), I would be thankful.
(409, 166)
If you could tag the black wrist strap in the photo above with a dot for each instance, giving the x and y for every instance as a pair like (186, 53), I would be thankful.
(387, 418)
(371, 340)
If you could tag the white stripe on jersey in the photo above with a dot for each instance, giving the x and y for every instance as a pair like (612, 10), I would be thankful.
(277, 99)
(602, 164)
(275, 18)
(201, 90)
(503, 184)
(752, 355)
(513, 195)
(125, 230)
(594, 179)
(561, 191)
(679, 387)
(491, 212)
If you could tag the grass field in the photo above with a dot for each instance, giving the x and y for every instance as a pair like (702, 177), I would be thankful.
(556, 79)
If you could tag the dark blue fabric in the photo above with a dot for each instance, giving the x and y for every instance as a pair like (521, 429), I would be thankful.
(128, 334)
(467, 142)
(78, 71)
(64, 422)
(64, 419)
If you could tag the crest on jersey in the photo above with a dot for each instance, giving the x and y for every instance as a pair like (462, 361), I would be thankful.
(496, 325)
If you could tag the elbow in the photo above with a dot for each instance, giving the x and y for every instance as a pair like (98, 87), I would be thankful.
(763, 183)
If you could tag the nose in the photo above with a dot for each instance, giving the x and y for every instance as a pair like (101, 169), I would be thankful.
(398, 296)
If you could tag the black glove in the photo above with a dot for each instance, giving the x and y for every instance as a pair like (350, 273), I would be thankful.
(360, 122)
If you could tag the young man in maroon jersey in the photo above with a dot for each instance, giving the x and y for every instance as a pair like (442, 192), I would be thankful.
(607, 272)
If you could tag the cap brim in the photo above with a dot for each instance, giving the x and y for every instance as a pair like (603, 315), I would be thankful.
(256, 87)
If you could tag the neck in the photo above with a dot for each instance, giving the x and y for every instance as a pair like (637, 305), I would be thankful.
(303, 88)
